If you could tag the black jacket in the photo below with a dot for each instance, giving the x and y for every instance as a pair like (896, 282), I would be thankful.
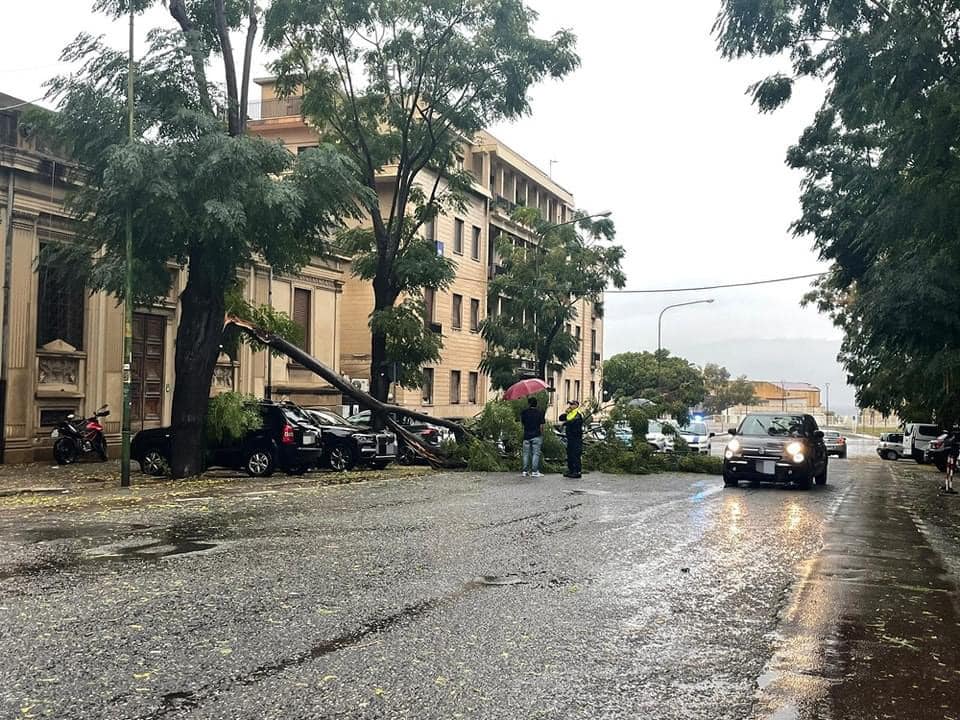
(573, 426)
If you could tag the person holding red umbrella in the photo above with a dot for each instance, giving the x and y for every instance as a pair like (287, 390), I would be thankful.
(533, 419)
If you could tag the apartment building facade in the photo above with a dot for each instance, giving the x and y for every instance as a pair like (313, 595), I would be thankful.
(61, 349)
(454, 387)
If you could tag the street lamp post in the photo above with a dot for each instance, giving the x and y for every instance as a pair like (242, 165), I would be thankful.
(128, 294)
(828, 402)
(660, 319)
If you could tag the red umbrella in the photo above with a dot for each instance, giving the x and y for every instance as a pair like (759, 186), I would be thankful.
(524, 388)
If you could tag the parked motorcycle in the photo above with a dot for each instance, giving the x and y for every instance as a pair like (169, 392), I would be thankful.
(74, 438)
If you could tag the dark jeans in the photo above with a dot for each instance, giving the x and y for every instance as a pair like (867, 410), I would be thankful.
(574, 452)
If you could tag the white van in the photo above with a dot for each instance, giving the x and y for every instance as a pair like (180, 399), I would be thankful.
(917, 437)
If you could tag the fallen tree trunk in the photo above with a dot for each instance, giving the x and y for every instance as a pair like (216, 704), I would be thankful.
(336, 380)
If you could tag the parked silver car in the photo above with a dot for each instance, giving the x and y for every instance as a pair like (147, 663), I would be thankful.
(836, 443)
(890, 446)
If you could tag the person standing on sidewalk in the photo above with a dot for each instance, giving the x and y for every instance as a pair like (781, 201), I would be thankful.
(533, 420)
(573, 423)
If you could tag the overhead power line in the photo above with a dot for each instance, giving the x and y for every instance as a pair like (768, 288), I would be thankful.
(716, 287)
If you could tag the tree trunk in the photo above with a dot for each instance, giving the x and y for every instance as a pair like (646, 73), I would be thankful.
(383, 299)
(202, 308)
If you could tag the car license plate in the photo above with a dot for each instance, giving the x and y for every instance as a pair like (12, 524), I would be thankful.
(767, 467)
(309, 439)
(55, 434)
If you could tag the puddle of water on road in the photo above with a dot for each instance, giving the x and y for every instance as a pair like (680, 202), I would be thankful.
(154, 551)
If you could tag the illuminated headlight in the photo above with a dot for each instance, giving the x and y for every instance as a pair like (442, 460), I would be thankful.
(795, 448)
(798, 458)
(734, 446)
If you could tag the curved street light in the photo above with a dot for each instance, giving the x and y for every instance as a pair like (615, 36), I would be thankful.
(668, 307)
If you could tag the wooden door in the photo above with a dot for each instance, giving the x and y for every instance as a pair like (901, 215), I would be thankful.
(147, 372)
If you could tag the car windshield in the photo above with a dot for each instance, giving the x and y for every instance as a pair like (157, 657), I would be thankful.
(773, 425)
(928, 430)
(295, 414)
(696, 428)
(831, 434)
(326, 417)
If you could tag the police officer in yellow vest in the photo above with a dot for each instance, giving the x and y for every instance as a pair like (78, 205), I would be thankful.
(572, 420)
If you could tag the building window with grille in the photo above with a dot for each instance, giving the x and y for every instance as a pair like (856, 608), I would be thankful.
(475, 244)
(61, 300)
(454, 387)
(456, 316)
(427, 387)
(474, 315)
(458, 236)
(302, 300)
(473, 383)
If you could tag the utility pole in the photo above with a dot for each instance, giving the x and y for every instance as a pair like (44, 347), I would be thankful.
(828, 402)
(128, 295)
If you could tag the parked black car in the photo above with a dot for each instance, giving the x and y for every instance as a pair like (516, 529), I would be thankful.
(940, 449)
(776, 448)
(432, 435)
(345, 445)
(285, 441)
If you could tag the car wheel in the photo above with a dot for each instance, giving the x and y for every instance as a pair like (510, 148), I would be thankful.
(918, 457)
(843, 455)
(65, 451)
(259, 463)
(154, 463)
(406, 456)
(730, 482)
(891, 455)
(341, 458)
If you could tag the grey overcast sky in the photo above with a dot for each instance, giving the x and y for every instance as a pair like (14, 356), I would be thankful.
(656, 127)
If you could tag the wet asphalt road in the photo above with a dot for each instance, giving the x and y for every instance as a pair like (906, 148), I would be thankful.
(488, 597)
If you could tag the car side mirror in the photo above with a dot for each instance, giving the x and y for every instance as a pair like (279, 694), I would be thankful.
(732, 431)
(711, 435)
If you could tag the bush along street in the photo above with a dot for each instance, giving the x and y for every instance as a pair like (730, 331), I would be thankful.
(498, 437)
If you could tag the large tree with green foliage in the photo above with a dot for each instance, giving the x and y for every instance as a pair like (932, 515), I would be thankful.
(399, 86)
(881, 189)
(672, 383)
(204, 195)
(723, 392)
(539, 287)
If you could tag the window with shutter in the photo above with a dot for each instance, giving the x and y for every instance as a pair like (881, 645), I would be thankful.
(301, 314)
(475, 244)
(454, 387)
(456, 318)
(475, 315)
(458, 237)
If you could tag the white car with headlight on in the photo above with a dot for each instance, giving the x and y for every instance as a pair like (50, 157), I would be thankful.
(776, 447)
(697, 437)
